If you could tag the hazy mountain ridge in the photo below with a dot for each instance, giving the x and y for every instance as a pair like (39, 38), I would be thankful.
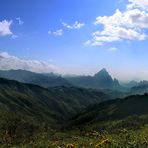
(44, 80)
(101, 80)
(130, 84)
(141, 87)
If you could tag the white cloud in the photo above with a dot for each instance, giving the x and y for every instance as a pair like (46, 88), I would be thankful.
(20, 22)
(8, 62)
(142, 4)
(76, 25)
(111, 34)
(127, 25)
(5, 28)
(134, 18)
(58, 32)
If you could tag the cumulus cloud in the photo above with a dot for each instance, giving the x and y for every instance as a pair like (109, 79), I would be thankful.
(20, 22)
(134, 18)
(8, 62)
(76, 25)
(142, 4)
(5, 28)
(127, 25)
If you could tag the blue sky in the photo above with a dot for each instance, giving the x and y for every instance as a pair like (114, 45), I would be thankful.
(73, 35)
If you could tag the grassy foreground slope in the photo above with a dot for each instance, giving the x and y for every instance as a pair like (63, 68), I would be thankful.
(111, 124)
(130, 130)
(26, 109)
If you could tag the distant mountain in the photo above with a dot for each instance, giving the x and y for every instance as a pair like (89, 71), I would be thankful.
(101, 80)
(141, 87)
(46, 105)
(113, 110)
(130, 84)
(44, 80)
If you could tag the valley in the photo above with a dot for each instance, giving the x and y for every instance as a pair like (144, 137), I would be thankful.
(69, 115)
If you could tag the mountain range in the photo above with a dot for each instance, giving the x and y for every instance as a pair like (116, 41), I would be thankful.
(135, 105)
(39, 109)
(101, 80)
(44, 80)
(53, 104)
(60, 103)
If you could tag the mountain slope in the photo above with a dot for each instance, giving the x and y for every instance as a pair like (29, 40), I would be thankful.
(52, 104)
(141, 87)
(101, 80)
(44, 80)
(114, 109)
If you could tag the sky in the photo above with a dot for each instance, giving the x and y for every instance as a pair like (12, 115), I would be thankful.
(75, 36)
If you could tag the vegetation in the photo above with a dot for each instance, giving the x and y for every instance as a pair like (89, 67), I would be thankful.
(113, 110)
(53, 105)
(20, 133)
(32, 116)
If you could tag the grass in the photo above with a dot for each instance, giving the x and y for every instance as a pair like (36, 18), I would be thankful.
(94, 139)
(91, 136)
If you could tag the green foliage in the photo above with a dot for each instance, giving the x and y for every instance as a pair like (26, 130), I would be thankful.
(113, 110)
(46, 105)
(32, 116)
(16, 129)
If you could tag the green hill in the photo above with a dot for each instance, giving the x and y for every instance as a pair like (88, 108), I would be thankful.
(114, 110)
(58, 103)
(32, 116)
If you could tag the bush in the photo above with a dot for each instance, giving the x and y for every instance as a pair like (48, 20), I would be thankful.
(16, 129)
